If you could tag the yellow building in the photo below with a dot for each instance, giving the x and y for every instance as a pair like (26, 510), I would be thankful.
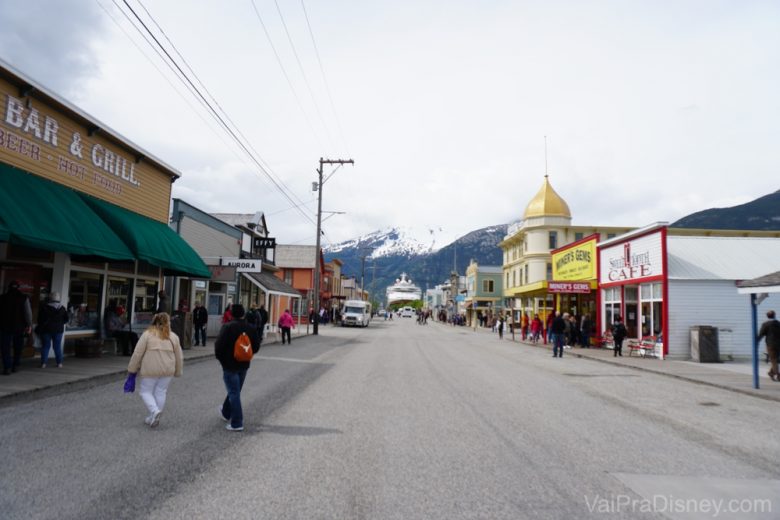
(527, 267)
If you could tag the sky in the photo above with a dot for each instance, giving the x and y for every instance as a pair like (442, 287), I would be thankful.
(652, 110)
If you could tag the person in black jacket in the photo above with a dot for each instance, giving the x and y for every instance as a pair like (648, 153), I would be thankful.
(200, 317)
(15, 325)
(619, 333)
(234, 372)
(770, 330)
(52, 317)
(557, 331)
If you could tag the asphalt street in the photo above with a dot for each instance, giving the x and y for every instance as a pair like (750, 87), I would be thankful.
(398, 421)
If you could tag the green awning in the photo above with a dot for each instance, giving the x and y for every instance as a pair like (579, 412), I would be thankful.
(39, 213)
(150, 240)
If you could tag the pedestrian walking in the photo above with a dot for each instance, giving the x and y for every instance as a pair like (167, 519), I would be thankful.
(233, 371)
(286, 323)
(536, 328)
(52, 317)
(500, 327)
(200, 317)
(157, 359)
(770, 330)
(557, 331)
(15, 326)
(619, 333)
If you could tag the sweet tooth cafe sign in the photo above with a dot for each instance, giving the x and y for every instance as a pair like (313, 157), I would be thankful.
(633, 260)
(88, 162)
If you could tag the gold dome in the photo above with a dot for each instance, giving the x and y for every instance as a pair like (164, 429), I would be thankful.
(547, 203)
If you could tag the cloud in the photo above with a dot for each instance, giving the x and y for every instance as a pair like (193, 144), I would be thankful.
(53, 41)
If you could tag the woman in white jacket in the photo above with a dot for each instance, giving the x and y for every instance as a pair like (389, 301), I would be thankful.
(157, 359)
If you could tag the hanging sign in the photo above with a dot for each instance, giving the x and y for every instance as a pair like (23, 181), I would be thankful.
(264, 243)
(243, 265)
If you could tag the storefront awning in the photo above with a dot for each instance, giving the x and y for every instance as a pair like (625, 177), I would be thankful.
(150, 240)
(39, 213)
(271, 284)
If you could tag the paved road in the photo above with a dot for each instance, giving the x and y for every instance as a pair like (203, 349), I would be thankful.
(398, 421)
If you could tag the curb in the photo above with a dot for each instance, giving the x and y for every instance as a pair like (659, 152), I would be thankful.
(682, 378)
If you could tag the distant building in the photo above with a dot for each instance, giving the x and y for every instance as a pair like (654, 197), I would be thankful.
(484, 291)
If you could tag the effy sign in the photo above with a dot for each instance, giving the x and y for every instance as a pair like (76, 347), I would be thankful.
(633, 260)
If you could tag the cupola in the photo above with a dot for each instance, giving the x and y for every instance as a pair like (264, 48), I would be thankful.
(547, 203)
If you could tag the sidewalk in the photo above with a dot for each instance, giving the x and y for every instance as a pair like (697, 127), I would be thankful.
(735, 376)
(31, 381)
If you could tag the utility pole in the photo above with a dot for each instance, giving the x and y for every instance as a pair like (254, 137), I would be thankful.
(317, 266)
(362, 275)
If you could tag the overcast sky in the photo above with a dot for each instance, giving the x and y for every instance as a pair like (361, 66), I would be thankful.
(653, 109)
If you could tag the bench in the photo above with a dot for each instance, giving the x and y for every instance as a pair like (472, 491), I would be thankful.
(604, 341)
(646, 347)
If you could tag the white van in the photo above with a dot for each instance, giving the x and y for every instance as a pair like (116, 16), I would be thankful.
(407, 312)
(357, 313)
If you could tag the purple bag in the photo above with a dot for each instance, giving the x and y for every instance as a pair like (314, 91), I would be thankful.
(130, 383)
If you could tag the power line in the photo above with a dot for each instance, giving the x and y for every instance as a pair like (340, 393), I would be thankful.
(183, 77)
(286, 76)
(324, 78)
(162, 74)
(303, 73)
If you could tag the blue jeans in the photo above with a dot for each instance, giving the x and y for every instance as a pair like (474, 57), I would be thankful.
(7, 340)
(46, 342)
(231, 407)
(557, 340)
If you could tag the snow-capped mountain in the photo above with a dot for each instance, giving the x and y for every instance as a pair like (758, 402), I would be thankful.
(427, 256)
(403, 241)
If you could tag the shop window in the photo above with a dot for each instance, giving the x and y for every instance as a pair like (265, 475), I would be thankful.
(145, 301)
(553, 240)
(84, 296)
(119, 291)
(657, 291)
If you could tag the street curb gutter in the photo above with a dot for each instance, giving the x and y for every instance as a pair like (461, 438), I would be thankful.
(682, 378)
(74, 386)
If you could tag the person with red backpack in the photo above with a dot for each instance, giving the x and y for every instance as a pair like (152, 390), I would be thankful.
(228, 345)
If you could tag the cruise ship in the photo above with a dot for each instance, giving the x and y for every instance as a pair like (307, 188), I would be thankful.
(403, 290)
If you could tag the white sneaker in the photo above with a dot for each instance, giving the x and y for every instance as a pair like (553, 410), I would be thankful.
(148, 419)
(230, 428)
(155, 419)
(221, 415)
